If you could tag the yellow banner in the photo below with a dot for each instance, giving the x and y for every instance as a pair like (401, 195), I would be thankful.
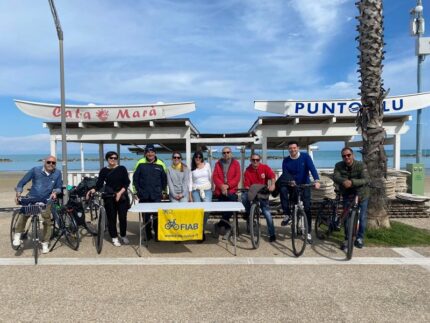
(180, 225)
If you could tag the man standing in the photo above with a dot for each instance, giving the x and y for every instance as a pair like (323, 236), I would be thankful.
(226, 177)
(150, 181)
(352, 177)
(258, 173)
(296, 168)
(46, 184)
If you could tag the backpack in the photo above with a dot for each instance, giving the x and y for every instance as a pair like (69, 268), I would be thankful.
(85, 185)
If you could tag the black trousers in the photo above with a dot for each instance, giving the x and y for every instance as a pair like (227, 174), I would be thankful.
(148, 218)
(114, 209)
(226, 215)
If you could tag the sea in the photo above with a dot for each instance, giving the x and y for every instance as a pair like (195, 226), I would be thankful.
(322, 159)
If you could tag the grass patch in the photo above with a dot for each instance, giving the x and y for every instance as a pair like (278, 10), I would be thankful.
(399, 235)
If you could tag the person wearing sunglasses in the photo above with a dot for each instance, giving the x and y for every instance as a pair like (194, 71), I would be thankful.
(178, 179)
(114, 178)
(262, 174)
(201, 183)
(226, 178)
(352, 178)
(46, 183)
(296, 167)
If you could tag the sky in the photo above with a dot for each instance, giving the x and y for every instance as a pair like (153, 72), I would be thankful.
(220, 54)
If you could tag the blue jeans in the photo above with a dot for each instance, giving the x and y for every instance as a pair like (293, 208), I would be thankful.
(285, 192)
(362, 216)
(264, 205)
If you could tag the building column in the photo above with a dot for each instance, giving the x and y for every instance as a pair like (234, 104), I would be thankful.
(82, 157)
(264, 149)
(53, 146)
(101, 155)
(118, 151)
(188, 147)
(396, 152)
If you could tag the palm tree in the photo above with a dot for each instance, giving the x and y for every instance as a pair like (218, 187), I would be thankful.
(369, 118)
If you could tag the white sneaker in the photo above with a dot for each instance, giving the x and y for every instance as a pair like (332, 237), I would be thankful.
(16, 239)
(125, 240)
(115, 242)
(45, 247)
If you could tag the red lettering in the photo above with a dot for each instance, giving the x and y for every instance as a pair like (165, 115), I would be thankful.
(78, 114)
(136, 114)
(123, 114)
(68, 114)
(87, 115)
(144, 113)
(56, 112)
(153, 112)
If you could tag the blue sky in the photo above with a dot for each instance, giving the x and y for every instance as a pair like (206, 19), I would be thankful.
(221, 54)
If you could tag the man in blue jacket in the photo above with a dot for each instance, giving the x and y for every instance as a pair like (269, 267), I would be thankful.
(296, 168)
(150, 181)
(46, 184)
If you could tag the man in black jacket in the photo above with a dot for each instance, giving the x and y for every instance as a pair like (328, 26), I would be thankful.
(149, 181)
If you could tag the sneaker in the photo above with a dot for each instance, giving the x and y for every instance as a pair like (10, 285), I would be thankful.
(125, 240)
(227, 234)
(115, 242)
(359, 243)
(309, 239)
(45, 247)
(16, 239)
(344, 246)
(285, 221)
(272, 238)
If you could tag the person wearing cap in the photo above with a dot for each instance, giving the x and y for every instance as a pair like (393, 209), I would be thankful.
(114, 178)
(226, 178)
(150, 181)
(46, 184)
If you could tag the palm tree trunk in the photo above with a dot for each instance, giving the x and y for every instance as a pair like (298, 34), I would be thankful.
(370, 117)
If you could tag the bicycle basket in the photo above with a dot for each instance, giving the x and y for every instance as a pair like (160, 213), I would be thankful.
(32, 209)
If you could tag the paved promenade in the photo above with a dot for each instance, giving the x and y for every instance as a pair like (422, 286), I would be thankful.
(205, 282)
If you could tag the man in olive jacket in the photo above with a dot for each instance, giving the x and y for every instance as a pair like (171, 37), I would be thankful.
(352, 177)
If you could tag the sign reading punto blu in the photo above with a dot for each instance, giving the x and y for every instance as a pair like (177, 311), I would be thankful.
(104, 113)
(347, 107)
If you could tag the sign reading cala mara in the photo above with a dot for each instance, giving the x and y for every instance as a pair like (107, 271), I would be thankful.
(105, 113)
(349, 107)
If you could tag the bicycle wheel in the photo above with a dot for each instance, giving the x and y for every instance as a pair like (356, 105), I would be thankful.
(35, 237)
(71, 231)
(15, 216)
(352, 222)
(323, 222)
(299, 231)
(91, 218)
(100, 229)
(254, 225)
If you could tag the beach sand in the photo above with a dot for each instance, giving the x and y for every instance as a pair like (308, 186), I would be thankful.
(8, 181)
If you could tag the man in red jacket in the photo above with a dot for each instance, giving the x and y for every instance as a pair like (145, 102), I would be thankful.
(226, 178)
(258, 173)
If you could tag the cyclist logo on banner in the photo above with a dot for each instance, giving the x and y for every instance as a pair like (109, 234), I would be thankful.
(180, 225)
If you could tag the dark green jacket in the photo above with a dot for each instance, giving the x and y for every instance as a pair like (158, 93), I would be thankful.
(357, 173)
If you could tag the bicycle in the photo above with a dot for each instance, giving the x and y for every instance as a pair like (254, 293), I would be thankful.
(329, 219)
(83, 215)
(65, 225)
(255, 215)
(299, 222)
(34, 211)
(98, 213)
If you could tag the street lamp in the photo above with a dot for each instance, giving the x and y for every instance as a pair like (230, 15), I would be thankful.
(63, 99)
(422, 49)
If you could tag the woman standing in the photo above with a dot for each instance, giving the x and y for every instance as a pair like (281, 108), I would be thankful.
(201, 179)
(178, 179)
(116, 181)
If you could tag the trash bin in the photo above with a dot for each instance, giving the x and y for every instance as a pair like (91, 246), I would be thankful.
(416, 179)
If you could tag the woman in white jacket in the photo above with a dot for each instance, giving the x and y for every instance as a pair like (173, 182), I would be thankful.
(201, 178)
